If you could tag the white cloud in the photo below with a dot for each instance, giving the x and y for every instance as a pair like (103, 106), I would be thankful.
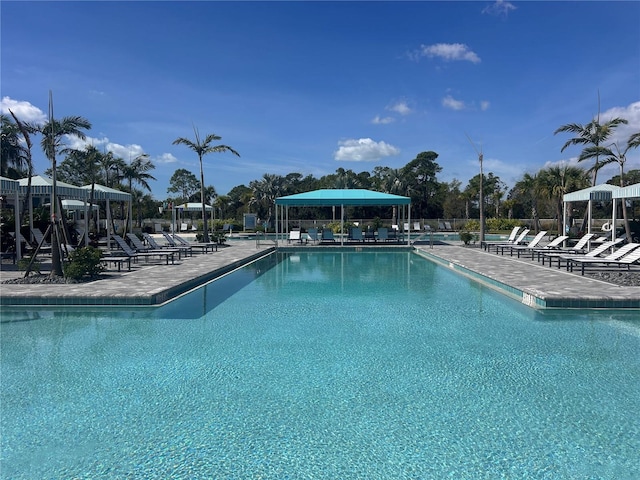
(452, 103)
(448, 52)
(400, 107)
(621, 134)
(25, 111)
(377, 120)
(500, 8)
(484, 105)
(166, 158)
(364, 150)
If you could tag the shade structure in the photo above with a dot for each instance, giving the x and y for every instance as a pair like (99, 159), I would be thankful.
(599, 193)
(8, 186)
(43, 186)
(194, 207)
(102, 192)
(74, 205)
(334, 197)
(603, 192)
(630, 191)
(341, 198)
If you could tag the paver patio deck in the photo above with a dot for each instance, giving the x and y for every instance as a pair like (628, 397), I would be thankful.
(152, 284)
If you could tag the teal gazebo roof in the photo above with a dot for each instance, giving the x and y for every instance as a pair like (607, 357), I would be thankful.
(331, 197)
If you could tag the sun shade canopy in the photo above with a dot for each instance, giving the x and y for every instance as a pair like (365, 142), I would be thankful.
(630, 191)
(599, 192)
(331, 197)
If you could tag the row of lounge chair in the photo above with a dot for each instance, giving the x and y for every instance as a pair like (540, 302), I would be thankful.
(383, 234)
(572, 257)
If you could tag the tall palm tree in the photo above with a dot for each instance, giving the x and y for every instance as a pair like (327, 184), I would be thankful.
(613, 154)
(137, 170)
(202, 148)
(591, 135)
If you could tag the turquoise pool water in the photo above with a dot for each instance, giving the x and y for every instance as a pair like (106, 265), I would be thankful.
(324, 365)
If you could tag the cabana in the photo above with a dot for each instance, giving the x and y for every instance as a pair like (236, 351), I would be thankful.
(108, 194)
(192, 207)
(604, 192)
(341, 198)
(11, 189)
(42, 187)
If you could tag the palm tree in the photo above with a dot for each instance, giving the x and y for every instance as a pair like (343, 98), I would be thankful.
(25, 153)
(203, 147)
(14, 154)
(266, 191)
(137, 171)
(554, 182)
(616, 155)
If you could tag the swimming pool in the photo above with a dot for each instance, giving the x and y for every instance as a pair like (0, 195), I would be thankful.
(322, 365)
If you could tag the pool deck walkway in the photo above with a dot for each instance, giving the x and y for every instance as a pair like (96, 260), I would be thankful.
(154, 283)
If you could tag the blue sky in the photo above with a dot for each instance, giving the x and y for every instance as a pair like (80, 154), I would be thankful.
(309, 87)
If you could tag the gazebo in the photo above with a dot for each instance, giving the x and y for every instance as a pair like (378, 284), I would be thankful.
(108, 194)
(341, 198)
(603, 192)
(192, 207)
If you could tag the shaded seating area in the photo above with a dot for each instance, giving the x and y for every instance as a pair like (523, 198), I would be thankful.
(340, 198)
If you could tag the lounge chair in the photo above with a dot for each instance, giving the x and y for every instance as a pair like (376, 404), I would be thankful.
(510, 239)
(577, 248)
(156, 246)
(593, 253)
(523, 248)
(416, 226)
(625, 255)
(517, 241)
(295, 235)
(448, 226)
(177, 241)
(383, 234)
(355, 234)
(313, 235)
(327, 236)
(553, 245)
(130, 252)
(40, 240)
(441, 226)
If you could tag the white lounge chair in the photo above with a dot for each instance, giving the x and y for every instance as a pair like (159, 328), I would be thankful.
(593, 253)
(524, 248)
(517, 241)
(625, 255)
(295, 235)
(577, 248)
(510, 239)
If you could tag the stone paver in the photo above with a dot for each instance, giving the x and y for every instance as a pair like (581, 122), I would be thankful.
(534, 284)
(146, 283)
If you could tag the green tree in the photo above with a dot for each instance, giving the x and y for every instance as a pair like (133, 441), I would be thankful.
(421, 183)
(266, 191)
(13, 163)
(137, 170)
(202, 148)
(183, 182)
(556, 181)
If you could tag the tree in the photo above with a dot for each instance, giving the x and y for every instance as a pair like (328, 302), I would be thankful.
(266, 191)
(556, 181)
(25, 153)
(138, 171)
(421, 183)
(183, 182)
(592, 136)
(14, 154)
(202, 148)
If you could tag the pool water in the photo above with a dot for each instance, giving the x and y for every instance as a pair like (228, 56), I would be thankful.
(322, 365)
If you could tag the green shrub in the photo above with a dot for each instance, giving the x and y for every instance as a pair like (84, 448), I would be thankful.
(84, 262)
(467, 237)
